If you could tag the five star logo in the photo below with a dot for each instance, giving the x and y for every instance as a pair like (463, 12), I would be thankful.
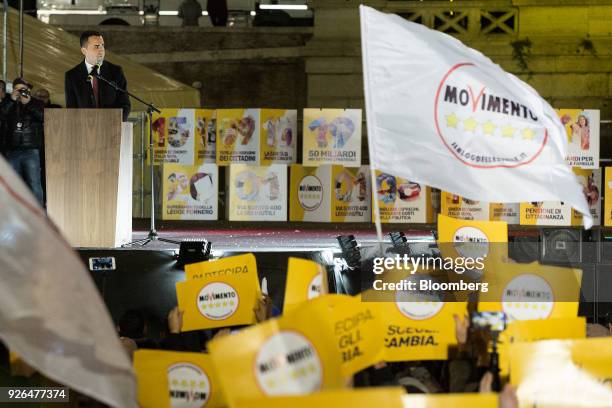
(508, 131)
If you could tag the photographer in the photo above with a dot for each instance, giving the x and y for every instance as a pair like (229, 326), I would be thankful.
(23, 119)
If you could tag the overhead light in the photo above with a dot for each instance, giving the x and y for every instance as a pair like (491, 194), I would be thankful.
(168, 12)
(253, 13)
(68, 12)
(283, 6)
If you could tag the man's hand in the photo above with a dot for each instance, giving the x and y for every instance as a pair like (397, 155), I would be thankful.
(263, 310)
(15, 94)
(461, 328)
(175, 320)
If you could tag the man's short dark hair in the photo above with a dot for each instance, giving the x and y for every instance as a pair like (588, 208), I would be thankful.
(86, 34)
(132, 324)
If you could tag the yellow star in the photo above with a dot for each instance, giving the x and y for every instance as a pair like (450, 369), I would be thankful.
(202, 384)
(224, 303)
(218, 304)
(470, 124)
(528, 134)
(174, 382)
(488, 128)
(231, 303)
(184, 383)
(203, 306)
(192, 383)
(508, 131)
(452, 120)
(312, 368)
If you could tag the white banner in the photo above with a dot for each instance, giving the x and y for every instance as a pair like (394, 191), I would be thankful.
(443, 114)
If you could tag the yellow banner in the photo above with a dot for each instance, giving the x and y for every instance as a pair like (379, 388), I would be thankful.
(386, 397)
(219, 293)
(351, 199)
(472, 239)
(306, 280)
(190, 192)
(489, 400)
(402, 201)
(174, 136)
(608, 202)
(257, 193)
(569, 373)
(278, 136)
(167, 378)
(206, 136)
(455, 206)
(531, 291)
(332, 136)
(285, 356)
(238, 136)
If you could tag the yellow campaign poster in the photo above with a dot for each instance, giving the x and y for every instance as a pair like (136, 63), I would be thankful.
(257, 193)
(507, 212)
(174, 136)
(176, 379)
(484, 400)
(332, 136)
(351, 199)
(582, 127)
(531, 291)
(556, 213)
(387, 397)
(310, 193)
(206, 136)
(238, 136)
(472, 239)
(463, 208)
(278, 136)
(354, 327)
(219, 293)
(569, 373)
(535, 330)
(401, 200)
(608, 202)
(306, 280)
(190, 192)
(286, 356)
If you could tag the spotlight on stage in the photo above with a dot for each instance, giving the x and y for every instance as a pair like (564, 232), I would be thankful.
(193, 251)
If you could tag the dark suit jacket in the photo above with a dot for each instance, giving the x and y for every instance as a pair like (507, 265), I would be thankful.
(79, 93)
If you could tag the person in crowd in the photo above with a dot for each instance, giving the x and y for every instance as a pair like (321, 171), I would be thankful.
(23, 136)
(82, 86)
(217, 11)
(2, 97)
(43, 95)
(190, 12)
(134, 325)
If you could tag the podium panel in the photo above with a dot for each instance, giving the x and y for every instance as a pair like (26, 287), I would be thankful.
(89, 175)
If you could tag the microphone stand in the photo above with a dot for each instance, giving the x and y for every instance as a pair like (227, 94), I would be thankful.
(152, 236)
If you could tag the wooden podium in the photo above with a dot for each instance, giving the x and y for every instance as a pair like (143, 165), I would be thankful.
(88, 154)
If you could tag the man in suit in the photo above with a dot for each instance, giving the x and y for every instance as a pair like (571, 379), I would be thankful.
(84, 90)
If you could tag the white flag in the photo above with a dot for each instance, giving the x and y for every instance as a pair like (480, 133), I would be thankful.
(443, 114)
(51, 314)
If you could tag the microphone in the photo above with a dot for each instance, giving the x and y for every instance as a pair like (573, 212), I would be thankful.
(95, 72)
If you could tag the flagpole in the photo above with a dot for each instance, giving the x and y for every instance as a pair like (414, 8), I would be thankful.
(370, 126)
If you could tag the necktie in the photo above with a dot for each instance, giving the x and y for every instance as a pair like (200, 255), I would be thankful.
(94, 85)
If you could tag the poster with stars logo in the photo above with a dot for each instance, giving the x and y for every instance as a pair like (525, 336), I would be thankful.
(219, 293)
(176, 379)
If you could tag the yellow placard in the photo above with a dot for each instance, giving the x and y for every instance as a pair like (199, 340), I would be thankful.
(417, 330)
(257, 193)
(169, 378)
(238, 136)
(278, 136)
(306, 280)
(174, 136)
(531, 291)
(190, 192)
(332, 136)
(219, 293)
(387, 397)
(453, 205)
(534, 330)
(568, 373)
(354, 327)
(608, 202)
(489, 400)
(206, 136)
(402, 201)
(472, 239)
(351, 198)
(286, 356)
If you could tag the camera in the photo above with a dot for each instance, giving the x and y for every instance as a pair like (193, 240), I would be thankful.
(24, 92)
